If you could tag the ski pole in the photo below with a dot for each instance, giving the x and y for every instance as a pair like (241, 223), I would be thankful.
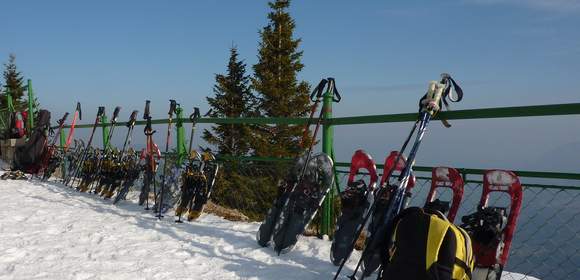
(130, 126)
(95, 176)
(148, 130)
(331, 89)
(71, 178)
(172, 106)
(193, 118)
(380, 192)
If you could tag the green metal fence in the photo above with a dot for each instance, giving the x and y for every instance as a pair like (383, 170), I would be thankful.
(547, 242)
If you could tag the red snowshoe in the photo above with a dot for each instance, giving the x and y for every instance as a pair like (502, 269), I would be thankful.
(378, 228)
(446, 177)
(492, 228)
(356, 200)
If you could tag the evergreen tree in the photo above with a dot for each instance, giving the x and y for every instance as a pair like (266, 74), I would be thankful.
(13, 84)
(233, 98)
(280, 94)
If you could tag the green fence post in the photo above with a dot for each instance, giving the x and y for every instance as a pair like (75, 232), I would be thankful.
(181, 151)
(327, 133)
(105, 123)
(30, 106)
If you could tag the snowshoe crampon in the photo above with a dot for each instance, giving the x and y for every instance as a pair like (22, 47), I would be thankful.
(303, 202)
(356, 200)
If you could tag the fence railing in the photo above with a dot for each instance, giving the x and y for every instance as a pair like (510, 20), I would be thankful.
(547, 242)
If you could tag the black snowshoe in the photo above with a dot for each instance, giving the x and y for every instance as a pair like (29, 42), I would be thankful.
(303, 203)
(203, 191)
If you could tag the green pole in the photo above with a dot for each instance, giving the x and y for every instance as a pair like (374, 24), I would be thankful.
(9, 101)
(327, 133)
(30, 106)
(181, 151)
(105, 123)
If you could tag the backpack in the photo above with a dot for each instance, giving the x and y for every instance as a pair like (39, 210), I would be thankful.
(425, 246)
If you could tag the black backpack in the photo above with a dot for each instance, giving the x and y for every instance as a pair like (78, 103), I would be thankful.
(28, 157)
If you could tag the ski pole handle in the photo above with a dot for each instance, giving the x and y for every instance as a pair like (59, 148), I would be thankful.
(318, 90)
(132, 118)
(172, 107)
(101, 111)
(195, 115)
(116, 114)
(61, 121)
(146, 113)
(79, 110)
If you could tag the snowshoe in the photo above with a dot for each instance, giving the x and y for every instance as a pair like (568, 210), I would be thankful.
(14, 175)
(203, 191)
(356, 200)
(303, 202)
(492, 228)
(192, 179)
(264, 234)
(446, 177)
(378, 228)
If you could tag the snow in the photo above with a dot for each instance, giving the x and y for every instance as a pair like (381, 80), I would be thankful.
(48, 231)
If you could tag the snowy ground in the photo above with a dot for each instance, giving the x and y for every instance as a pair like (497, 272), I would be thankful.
(48, 231)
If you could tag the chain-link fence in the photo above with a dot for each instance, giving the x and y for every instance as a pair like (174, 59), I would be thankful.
(547, 239)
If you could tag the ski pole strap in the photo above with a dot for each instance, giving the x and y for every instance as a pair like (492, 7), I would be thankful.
(438, 94)
(100, 111)
(332, 89)
(318, 91)
(80, 112)
(172, 106)
(115, 115)
(63, 119)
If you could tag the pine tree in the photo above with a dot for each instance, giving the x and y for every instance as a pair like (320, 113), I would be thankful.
(233, 98)
(13, 84)
(280, 94)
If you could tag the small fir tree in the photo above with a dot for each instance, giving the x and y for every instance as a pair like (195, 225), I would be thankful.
(13, 84)
(232, 99)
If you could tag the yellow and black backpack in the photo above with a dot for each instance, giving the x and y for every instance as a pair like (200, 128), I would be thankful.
(425, 246)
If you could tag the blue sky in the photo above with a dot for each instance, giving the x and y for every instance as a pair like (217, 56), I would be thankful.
(382, 54)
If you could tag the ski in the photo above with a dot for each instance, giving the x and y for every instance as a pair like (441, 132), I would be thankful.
(101, 177)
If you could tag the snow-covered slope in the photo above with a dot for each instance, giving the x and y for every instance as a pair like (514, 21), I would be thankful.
(48, 231)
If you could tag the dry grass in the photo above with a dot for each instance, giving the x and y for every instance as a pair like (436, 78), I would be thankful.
(226, 213)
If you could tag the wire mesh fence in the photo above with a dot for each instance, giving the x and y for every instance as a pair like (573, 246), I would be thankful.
(547, 239)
